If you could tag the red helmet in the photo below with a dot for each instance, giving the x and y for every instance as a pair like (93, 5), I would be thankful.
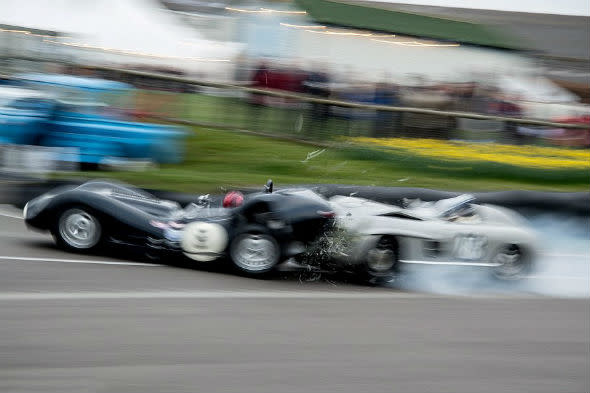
(233, 199)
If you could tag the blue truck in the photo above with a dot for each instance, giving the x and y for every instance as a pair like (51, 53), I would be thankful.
(87, 115)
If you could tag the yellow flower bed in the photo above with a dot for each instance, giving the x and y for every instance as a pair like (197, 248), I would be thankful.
(525, 156)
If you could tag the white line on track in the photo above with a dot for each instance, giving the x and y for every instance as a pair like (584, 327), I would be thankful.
(4, 213)
(87, 261)
(550, 277)
(443, 263)
(99, 262)
(271, 295)
(557, 255)
(266, 295)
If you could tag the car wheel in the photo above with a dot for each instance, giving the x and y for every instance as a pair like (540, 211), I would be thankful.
(254, 253)
(511, 262)
(78, 230)
(382, 261)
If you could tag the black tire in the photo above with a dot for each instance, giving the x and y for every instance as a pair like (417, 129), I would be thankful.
(516, 262)
(382, 262)
(253, 251)
(78, 229)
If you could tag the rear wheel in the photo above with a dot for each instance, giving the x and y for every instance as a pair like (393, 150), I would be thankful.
(78, 229)
(512, 262)
(254, 252)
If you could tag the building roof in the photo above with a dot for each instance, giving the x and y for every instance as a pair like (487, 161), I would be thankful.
(404, 22)
(560, 43)
(563, 36)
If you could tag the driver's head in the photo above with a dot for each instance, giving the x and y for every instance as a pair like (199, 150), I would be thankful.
(233, 199)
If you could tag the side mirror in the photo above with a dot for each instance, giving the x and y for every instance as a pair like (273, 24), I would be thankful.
(268, 187)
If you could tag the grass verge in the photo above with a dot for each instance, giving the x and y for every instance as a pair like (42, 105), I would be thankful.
(216, 160)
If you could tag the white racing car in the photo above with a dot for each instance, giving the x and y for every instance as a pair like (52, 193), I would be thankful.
(379, 237)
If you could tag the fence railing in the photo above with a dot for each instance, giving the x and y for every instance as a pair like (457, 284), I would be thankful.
(303, 116)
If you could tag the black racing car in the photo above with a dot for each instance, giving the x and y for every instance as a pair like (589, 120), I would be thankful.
(255, 234)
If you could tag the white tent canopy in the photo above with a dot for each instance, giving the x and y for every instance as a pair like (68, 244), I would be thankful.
(535, 89)
(121, 31)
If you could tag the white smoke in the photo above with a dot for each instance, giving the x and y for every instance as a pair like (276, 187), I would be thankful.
(128, 26)
(562, 268)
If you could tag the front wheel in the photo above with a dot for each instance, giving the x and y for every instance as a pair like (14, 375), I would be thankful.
(254, 253)
(78, 229)
(382, 261)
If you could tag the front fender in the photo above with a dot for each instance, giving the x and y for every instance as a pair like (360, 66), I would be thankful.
(112, 210)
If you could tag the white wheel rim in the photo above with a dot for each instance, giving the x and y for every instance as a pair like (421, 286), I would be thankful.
(255, 252)
(79, 229)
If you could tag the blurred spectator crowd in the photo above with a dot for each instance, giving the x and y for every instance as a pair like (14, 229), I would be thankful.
(320, 81)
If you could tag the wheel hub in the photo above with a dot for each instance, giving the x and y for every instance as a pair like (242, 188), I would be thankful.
(79, 229)
(255, 252)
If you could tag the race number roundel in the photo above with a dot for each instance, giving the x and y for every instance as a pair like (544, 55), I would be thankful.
(203, 241)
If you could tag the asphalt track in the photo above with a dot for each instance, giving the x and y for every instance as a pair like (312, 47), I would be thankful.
(72, 323)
